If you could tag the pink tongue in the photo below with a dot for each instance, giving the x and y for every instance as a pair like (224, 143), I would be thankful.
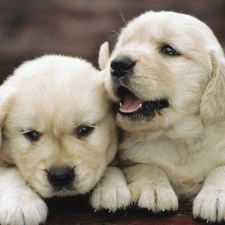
(130, 104)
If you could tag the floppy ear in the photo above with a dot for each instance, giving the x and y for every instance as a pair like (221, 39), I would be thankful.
(5, 93)
(212, 108)
(103, 55)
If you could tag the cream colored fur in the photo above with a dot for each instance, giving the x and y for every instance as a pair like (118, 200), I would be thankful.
(56, 96)
(178, 155)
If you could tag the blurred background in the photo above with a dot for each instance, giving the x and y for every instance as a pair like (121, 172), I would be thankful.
(30, 28)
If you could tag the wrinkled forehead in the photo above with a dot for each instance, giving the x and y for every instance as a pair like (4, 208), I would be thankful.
(54, 100)
(58, 109)
(167, 28)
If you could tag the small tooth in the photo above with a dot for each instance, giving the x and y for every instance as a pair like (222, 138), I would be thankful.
(121, 104)
(140, 105)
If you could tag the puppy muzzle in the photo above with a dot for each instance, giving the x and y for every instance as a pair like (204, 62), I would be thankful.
(131, 105)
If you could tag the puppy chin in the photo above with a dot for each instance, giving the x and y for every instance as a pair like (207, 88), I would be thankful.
(129, 125)
(49, 191)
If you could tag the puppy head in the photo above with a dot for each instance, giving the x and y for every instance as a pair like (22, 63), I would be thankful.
(57, 125)
(163, 67)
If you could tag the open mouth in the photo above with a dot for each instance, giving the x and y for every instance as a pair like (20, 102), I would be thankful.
(131, 105)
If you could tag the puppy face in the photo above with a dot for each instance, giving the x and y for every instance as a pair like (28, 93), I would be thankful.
(160, 71)
(57, 125)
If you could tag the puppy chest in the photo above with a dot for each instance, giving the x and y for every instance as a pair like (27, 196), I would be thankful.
(186, 172)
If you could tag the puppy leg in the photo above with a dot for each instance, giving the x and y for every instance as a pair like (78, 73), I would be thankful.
(210, 201)
(150, 188)
(112, 192)
(19, 204)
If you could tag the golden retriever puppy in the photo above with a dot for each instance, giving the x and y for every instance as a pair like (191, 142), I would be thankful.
(58, 137)
(167, 76)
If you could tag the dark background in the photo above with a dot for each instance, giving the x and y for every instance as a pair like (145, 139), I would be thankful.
(30, 28)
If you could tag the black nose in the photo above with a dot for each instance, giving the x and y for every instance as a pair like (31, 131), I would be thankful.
(61, 176)
(121, 66)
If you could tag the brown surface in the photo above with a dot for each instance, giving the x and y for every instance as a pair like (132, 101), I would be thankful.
(76, 211)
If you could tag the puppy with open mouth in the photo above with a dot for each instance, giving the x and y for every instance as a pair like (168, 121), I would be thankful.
(167, 76)
(58, 138)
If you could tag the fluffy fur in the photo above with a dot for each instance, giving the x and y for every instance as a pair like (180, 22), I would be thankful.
(58, 137)
(175, 149)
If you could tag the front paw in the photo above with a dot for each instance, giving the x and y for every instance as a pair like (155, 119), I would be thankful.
(157, 198)
(151, 189)
(18, 210)
(209, 205)
(19, 205)
(112, 192)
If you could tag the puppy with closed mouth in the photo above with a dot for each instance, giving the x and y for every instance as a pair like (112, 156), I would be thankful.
(58, 138)
(167, 76)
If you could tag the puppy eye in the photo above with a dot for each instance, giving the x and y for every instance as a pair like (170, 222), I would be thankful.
(168, 50)
(32, 135)
(84, 130)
